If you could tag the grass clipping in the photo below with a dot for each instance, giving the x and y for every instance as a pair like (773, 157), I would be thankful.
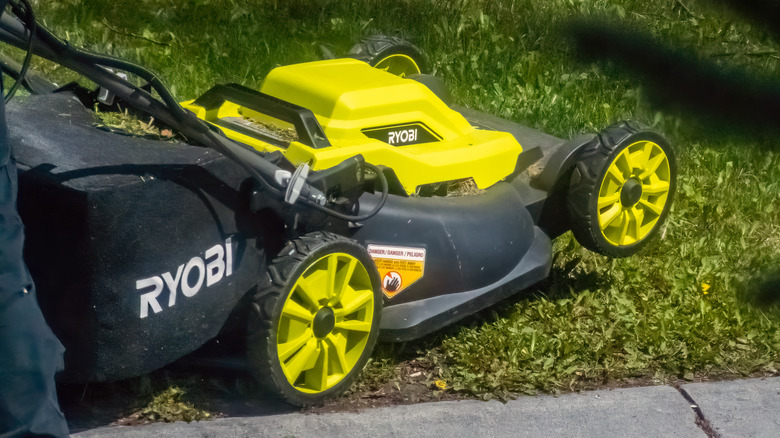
(454, 188)
(169, 406)
(269, 128)
(125, 123)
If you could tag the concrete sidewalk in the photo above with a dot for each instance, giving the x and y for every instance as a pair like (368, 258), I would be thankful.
(742, 408)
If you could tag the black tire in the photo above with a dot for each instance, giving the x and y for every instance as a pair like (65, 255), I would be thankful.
(621, 189)
(393, 54)
(436, 85)
(276, 325)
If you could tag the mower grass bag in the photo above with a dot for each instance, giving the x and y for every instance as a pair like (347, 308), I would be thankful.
(133, 243)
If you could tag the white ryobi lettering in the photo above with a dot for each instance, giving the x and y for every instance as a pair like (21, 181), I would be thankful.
(403, 136)
(216, 264)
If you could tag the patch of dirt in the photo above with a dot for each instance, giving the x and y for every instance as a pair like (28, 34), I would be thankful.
(414, 383)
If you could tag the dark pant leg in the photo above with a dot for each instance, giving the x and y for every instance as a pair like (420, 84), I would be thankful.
(30, 354)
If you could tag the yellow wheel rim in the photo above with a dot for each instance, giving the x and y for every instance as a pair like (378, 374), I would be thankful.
(633, 193)
(399, 65)
(325, 323)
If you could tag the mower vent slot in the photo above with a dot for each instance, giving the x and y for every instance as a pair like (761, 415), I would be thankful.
(246, 129)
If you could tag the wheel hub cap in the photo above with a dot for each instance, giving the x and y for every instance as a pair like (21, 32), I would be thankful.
(323, 323)
(631, 192)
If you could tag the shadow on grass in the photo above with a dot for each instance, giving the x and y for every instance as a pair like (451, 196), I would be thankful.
(564, 281)
(215, 380)
(764, 293)
(768, 293)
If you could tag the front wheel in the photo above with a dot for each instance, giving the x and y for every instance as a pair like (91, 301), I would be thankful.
(313, 329)
(621, 189)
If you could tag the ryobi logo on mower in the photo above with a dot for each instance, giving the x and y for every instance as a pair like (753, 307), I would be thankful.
(399, 266)
(402, 135)
(216, 264)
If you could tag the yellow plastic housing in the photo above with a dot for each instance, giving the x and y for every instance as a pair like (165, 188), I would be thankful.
(348, 96)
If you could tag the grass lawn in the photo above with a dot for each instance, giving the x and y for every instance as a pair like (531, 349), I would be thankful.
(685, 308)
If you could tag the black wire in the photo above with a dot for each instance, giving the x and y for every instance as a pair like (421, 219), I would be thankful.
(31, 24)
(370, 214)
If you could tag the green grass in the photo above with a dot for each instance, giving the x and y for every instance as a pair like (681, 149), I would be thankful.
(597, 320)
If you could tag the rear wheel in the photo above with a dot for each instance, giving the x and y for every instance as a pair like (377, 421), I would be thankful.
(621, 189)
(391, 54)
(313, 329)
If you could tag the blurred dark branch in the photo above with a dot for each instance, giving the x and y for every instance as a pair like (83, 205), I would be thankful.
(763, 12)
(680, 80)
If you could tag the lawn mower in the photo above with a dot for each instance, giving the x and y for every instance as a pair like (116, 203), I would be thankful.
(344, 201)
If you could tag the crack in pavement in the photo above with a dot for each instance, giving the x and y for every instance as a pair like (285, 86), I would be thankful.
(701, 420)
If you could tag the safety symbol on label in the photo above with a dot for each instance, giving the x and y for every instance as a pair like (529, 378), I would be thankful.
(392, 281)
(399, 266)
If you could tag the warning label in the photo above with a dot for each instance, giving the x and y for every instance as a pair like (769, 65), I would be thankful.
(399, 266)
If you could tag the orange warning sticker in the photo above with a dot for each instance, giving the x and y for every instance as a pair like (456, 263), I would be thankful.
(399, 266)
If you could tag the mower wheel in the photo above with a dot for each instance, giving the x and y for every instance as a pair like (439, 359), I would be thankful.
(313, 328)
(391, 54)
(621, 189)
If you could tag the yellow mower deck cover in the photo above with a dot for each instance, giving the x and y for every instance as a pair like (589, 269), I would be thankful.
(348, 96)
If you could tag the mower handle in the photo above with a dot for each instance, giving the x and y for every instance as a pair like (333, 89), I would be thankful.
(307, 127)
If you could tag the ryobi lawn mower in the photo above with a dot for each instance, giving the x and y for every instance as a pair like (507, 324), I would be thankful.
(346, 200)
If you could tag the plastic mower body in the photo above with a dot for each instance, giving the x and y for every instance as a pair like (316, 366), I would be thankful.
(337, 204)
